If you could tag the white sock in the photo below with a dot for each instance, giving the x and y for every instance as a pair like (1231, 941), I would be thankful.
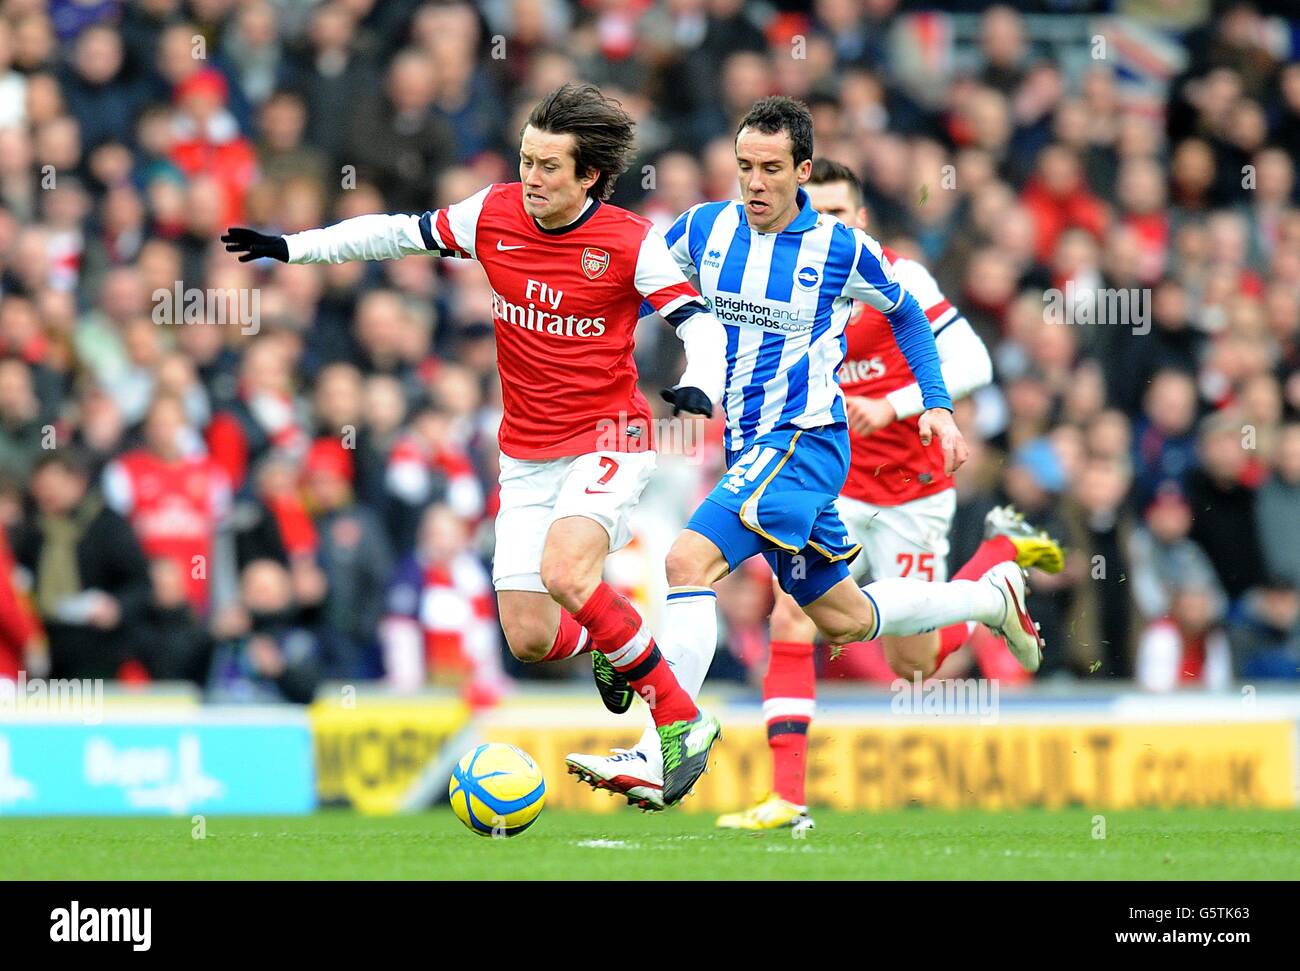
(687, 640)
(906, 605)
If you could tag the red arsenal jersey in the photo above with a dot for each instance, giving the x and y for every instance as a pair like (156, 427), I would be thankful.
(565, 303)
(891, 466)
(175, 508)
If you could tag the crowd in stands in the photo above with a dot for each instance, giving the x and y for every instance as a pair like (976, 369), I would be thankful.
(259, 478)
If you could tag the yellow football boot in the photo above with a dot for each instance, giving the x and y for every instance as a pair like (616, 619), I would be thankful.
(772, 813)
(1034, 547)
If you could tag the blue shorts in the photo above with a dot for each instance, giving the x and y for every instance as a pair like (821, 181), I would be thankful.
(778, 498)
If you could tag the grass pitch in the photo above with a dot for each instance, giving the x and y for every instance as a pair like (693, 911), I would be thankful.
(903, 845)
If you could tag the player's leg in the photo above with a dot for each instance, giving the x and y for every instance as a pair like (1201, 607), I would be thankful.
(910, 539)
(725, 530)
(591, 521)
(1007, 538)
(845, 614)
(688, 638)
(536, 628)
(905, 605)
(789, 703)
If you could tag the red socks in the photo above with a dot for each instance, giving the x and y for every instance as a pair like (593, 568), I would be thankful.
(618, 632)
(570, 640)
(991, 552)
(789, 690)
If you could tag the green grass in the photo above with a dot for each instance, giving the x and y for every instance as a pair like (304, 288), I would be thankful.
(1175, 845)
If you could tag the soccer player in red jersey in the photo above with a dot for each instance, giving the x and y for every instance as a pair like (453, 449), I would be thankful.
(898, 503)
(174, 495)
(568, 274)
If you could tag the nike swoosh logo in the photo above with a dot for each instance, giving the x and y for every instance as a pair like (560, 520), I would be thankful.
(1026, 622)
(598, 492)
(502, 247)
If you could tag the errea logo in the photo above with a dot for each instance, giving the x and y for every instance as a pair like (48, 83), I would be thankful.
(712, 258)
(808, 277)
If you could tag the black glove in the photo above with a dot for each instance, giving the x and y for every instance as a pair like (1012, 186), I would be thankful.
(691, 400)
(255, 245)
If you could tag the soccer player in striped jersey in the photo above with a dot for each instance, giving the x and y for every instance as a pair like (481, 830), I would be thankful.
(568, 274)
(898, 503)
(783, 279)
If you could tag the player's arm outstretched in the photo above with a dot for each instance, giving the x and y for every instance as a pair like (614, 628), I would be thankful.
(446, 232)
(871, 281)
(964, 360)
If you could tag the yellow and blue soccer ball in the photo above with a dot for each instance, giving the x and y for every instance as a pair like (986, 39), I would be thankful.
(497, 790)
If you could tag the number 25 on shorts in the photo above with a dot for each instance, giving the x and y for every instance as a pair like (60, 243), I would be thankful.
(923, 563)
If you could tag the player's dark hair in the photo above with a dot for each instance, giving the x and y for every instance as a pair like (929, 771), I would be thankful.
(781, 114)
(824, 172)
(602, 131)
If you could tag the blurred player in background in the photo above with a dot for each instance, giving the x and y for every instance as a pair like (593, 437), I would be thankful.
(568, 274)
(784, 279)
(898, 503)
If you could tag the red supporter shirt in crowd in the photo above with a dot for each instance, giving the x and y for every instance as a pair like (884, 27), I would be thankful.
(175, 508)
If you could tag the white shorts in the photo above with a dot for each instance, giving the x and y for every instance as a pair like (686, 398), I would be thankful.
(908, 540)
(603, 486)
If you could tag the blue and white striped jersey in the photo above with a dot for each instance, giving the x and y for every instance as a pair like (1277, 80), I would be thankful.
(784, 299)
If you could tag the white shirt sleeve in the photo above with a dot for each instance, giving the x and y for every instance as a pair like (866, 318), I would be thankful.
(705, 342)
(659, 278)
(447, 232)
(965, 365)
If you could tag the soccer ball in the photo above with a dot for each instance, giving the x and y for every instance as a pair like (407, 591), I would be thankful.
(497, 790)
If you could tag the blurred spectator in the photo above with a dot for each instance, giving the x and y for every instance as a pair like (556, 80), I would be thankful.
(440, 622)
(174, 645)
(1099, 529)
(90, 579)
(430, 465)
(353, 553)
(176, 499)
(1223, 504)
(1164, 447)
(1278, 510)
(207, 141)
(22, 434)
(1059, 199)
(1163, 558)
(264, 415)
(102, 98)
(328, 72)
(396, 139)
(268, 652)
(1187, 647)
(22, 640)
